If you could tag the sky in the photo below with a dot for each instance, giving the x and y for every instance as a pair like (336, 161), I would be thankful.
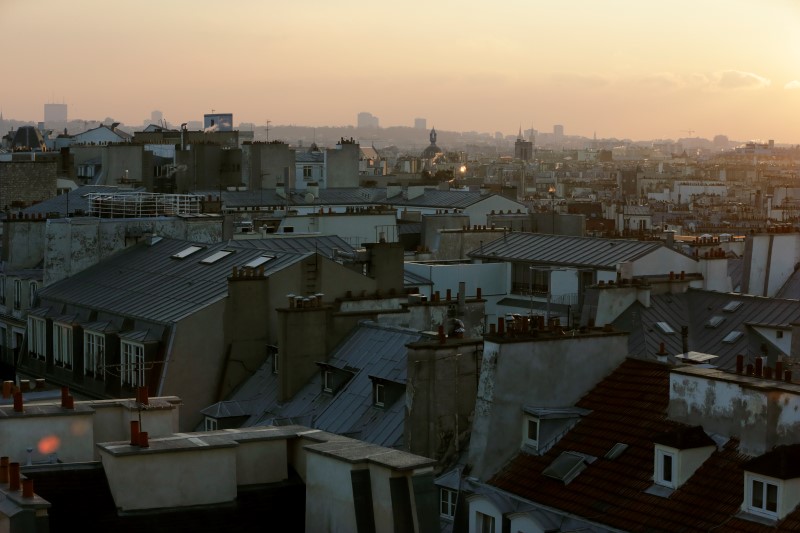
(617, 68)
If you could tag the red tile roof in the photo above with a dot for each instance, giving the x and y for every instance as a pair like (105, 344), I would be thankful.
(630, 407)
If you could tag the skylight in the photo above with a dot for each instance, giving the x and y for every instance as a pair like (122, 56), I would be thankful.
(715, 321)
(258, 261)
(732, 337)
(566, 467)
(186, 252)
(732, 306)
(666, 328)
(213, 258)
(616, 450)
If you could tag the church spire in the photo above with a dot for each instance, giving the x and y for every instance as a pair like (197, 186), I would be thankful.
(433, 135)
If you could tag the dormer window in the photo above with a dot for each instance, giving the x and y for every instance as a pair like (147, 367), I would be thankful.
(665, 468)
(678, 454)
(762, 495)
(378, 395)
(327, 381)
(771, 483)
(532, 431)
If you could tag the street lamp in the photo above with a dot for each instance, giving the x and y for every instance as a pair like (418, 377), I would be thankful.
(552, 191)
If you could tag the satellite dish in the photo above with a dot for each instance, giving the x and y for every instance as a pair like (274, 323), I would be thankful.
(310, 197)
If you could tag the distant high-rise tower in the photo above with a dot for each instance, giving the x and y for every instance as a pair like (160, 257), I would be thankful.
(558, 131)
(420, 124)
(156, 117)
(523, 149)
(367, 120)
(55, 116)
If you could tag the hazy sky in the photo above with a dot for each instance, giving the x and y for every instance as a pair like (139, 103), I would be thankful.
(622, 68)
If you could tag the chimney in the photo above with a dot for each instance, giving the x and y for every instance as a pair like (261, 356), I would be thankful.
(134, 432)
(661, 355)
(779, 370)
(501, 326)
(441, 334)
(141, 396)
(17, 401)
(4, 470)
(144, 441)
(13, 476)
(740, 363)
(478, 293)
(759, 366)
(64, 394)
(685, 339)
(27, 488)
(7, 388)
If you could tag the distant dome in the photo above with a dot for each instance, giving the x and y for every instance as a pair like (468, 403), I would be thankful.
(432, 151)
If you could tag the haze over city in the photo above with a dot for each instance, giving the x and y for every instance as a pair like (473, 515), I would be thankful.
(618, 69)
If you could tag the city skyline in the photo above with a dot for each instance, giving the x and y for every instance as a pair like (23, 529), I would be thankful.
(619, 68)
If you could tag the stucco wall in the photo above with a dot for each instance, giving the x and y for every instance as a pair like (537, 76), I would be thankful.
(540, 373)
(67, 433)
(736, 406)
(194, 364)
(329, 495)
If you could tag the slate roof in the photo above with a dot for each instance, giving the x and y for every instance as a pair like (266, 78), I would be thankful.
(322, 244)
(694, 309)
(791, 288)
(564, 250)
(629, 406)
(76, 200)
(145, 282)
(369, 350)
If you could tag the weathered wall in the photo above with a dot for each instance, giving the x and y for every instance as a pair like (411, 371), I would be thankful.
(543, 372)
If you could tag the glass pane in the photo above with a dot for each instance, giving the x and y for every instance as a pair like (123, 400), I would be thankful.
(666, 474)
(533, 429)
(772, 497)
(758, 494)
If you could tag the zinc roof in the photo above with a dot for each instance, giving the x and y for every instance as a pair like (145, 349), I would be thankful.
(564, 250)
(146, 282)
(695, 308)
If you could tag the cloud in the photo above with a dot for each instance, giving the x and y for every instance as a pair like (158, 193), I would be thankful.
(736, 79)
(794, 84)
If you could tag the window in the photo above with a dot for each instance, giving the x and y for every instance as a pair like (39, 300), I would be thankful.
(213, 258)
(308, 171)
(132, 364)
(62, 345)
(665, 468)
(715, 321)
(211, 424)
(275, 363)
(327, 381)
(447, 505)
(37, 338)
(378, 394)
(762, 496)
(187, 252)
(17, 294)
(484, 522)
(32, 287)
(258, 261)
(732, 306)
(94, 358)
(732, 337)
(532, 431)
(779, 334)
(666, 328)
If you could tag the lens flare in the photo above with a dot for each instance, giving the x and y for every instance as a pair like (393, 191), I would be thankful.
(49, 444)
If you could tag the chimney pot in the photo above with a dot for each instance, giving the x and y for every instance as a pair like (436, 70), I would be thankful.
(749, 369)
(759, 366)
(787, 376)
(448, 295)
(767, 372)
(13, 476)
(779, 370)
(144, 441)
(68, 403)
(739, 363)
(478, 295)
(18, 401)
(501, 326)
(661, 349)
(4, 470)
(27, 488)
(141, 396)
(134, 432)
(64, 394)
(7, 388)
(492, 329)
